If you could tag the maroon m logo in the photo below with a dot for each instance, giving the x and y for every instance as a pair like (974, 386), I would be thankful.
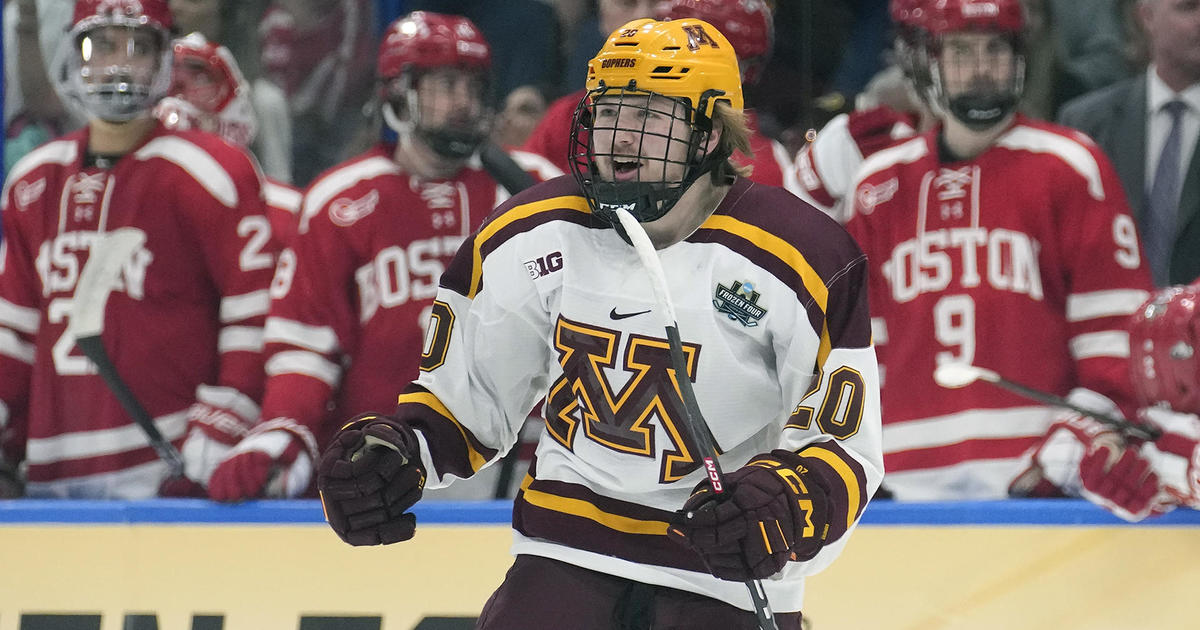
(698, 37)
(623, 421)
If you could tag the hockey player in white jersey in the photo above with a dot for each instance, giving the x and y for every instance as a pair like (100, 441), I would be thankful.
(615, 525)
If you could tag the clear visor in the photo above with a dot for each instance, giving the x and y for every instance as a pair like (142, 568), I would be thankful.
(116, 71)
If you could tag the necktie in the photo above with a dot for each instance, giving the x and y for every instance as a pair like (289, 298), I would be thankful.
(1163, 203)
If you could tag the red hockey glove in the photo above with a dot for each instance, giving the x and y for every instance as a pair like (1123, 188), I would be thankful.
(368, 478)
(1175, 455)
(876, 128)
(1121, 481)
(274, 461)
(212, 432)
(771, 512)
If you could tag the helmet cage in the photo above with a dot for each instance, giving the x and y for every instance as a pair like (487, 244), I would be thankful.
(402, 112)
(646, 199)
(977, 110)
(117, 92)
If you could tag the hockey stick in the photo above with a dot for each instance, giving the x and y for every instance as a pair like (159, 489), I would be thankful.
(694, 424)
(958, 375)
(97, 280)
(500, 165)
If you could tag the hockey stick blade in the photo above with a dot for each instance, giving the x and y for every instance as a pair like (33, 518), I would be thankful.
(86, 323)
(694, 423)
(958, 375)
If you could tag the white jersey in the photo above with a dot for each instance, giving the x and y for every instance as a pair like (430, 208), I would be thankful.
(547, 303)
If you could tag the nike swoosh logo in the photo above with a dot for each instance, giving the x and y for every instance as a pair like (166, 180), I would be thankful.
(613, 314)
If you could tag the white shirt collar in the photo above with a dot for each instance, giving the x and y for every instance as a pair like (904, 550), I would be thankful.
(1158, 94)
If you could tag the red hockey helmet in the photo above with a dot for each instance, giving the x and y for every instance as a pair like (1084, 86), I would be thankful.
(747, 24)
(908, 13)
(426, 42)
(431, 40)
(1164, 349)
(945, 16)
(110, 75)
(208, 92)
(976, 104)
(153, 13)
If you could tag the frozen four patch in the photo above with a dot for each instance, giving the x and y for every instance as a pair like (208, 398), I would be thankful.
(739, 302)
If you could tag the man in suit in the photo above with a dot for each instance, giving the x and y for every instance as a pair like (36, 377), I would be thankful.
(1149, 125)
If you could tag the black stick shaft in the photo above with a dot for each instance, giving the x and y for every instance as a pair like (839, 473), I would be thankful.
(703, 439)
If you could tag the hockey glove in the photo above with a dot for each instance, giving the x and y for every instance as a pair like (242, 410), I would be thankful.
(274, 461)
(368, 479)
(1175, 455)
(1121, 481)
(876, 128)
(771, 512)
(212, 432)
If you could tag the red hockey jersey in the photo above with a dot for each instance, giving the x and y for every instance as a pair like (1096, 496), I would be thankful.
(1024, 260)
(184, 323)
(349, 304)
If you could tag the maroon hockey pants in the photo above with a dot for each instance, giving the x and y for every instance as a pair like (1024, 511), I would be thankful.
(543, 594)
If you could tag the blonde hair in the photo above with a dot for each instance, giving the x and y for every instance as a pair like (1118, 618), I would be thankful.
(735, 136)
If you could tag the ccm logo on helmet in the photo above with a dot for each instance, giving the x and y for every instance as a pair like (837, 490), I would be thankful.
(619, 63)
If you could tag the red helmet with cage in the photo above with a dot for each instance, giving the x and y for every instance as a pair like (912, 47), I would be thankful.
(110, 75)
(747, 24)
(208, 92)
(978, 105)
(431, 40)
(945, 16)
(1164, 349)
(425, 42)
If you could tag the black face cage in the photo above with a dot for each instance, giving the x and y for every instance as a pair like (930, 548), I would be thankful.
(978, 111)
(647, 200)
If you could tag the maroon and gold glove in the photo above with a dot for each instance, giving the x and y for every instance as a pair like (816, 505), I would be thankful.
(772, 512)
(368, 479)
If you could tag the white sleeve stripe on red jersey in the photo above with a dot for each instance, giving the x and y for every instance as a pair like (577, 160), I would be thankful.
(1097, 304)
(321, 339)
(282, 197)
(305, 364)
(59, 152)
(12, 346)
(1111, 343)
(966, 425)
(545, 169)
(240, 339)
(82, 444)
(879, 333)
(24, 319)
(326, 188)
(238, 307)
(195, 162)
(229, 399)
(1077, 156)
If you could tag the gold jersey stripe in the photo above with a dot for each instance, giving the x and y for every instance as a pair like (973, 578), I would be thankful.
(847, 475)
(581, 508)
(571, 202)
(791, 256)
(429, 400)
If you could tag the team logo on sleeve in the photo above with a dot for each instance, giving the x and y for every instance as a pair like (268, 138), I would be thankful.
(27, 193)
(739, 302)
(345, 212)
